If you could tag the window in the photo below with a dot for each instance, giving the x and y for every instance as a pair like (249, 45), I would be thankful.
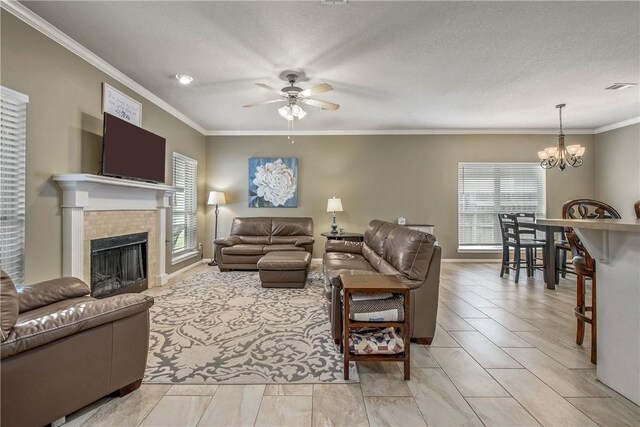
(185, 208)
(13, 131)
(487, 189)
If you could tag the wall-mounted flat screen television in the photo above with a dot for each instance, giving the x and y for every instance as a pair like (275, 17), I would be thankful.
(128, 151)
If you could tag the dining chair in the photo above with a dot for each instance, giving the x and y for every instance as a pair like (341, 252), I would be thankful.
(529, 234)
(510, 232)
(636, 207)
(584, 265)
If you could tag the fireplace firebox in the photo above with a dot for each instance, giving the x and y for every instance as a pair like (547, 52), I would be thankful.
(119, 265)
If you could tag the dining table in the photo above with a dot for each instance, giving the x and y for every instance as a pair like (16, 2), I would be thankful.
(549, 253)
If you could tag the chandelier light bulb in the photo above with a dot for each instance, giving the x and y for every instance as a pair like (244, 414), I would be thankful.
(542, 155)
(573, 149)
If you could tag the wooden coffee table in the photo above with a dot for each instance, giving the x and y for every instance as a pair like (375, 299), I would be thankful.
(375, 284)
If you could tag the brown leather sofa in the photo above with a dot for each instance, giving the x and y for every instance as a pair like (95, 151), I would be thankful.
(394, 250)
(62, 349)
(253, 237)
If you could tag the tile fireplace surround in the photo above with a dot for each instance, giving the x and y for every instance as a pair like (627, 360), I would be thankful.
(95, 206)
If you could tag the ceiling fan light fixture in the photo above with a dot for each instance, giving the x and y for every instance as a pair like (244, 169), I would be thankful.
(286, 112)
(298, 112)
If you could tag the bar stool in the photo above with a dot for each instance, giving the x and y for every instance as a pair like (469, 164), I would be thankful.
(584, 265)
(562, 267)
(511, 239)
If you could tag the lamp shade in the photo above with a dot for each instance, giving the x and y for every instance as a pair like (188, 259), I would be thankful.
(216, 198)
(334, 205)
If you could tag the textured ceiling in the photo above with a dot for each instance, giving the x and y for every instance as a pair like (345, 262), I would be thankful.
(394, 65)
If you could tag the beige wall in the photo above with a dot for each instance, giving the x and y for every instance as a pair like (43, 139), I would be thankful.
(382, 177)
(617, 172)
(64, 128)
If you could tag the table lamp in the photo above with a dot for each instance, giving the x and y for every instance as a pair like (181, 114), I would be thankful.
(216, 198)
(334, 205)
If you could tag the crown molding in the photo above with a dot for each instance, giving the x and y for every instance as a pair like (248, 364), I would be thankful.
(399, 132)
(35, 21)
(628, 122)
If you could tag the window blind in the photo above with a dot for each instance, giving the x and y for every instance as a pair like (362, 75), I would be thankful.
(185, 206)
(487, 189)
(13, 131)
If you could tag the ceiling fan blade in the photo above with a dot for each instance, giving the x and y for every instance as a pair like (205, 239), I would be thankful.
(264, 102)
(271, 88)
(324, 87)
(321, 104)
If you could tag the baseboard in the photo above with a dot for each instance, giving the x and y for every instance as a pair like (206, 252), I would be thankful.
(476, 260)
(182, 270)
(162, 279)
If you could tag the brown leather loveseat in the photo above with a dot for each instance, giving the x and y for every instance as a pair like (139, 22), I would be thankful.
(253, 237)
(62, 349)
(394, 250)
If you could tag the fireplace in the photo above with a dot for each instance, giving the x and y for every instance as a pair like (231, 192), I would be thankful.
(119, 265)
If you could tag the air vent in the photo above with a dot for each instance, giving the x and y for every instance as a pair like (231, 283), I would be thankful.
(618, 86)
(333, 2)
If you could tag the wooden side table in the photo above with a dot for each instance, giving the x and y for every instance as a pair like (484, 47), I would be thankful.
(375, 284)
(353, 237)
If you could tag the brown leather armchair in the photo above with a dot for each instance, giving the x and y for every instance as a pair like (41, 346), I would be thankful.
(253, 237)
(62, 349)
(388, 249)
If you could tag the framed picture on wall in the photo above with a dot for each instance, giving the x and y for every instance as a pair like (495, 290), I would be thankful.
(120, 105)
(273, 182)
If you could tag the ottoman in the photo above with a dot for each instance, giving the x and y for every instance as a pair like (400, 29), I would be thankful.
(284, 269)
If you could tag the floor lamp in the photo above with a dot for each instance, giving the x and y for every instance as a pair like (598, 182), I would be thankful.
(216, 198)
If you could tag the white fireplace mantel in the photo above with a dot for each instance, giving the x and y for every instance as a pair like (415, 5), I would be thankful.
(85, 192)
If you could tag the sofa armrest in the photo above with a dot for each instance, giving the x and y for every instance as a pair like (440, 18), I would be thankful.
(44, 293)
(70, 317)
(343, 246)
(228, 241)
(305, 240)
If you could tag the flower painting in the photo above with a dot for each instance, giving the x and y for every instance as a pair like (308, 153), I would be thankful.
(273, 182)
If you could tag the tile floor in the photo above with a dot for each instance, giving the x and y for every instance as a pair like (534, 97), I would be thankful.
(504, 355)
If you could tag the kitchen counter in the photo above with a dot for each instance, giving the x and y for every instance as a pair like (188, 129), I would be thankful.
(615, 244)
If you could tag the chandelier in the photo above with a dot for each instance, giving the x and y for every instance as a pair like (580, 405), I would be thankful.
(561, 156)
(292, 112)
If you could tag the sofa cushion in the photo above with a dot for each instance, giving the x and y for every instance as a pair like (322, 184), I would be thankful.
(8, 305)
(291, 227)
(252, 230)
(243, 249)
(409, 251)
(377, 262)
(333, 245)
(50, 291)
(376, 234)
(345, 261)
(274, 248)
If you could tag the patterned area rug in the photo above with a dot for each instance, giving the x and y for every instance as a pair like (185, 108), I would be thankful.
(224, 328)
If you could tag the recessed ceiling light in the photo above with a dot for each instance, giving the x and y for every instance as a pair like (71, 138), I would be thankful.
(618, 86)
(184, 79)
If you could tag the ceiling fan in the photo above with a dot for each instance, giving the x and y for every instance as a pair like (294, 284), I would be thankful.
(294, 96)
